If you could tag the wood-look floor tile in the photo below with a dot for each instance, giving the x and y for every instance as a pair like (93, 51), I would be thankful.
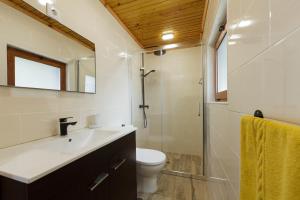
(173, 188)
(196, 165)
(184, 163)
(179, 188)
(200, 190)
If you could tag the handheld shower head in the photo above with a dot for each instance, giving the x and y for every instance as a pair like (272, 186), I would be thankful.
(149, 72)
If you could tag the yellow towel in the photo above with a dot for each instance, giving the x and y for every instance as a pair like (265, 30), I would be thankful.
(270, 160)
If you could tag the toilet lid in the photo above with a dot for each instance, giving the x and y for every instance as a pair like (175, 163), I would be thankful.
(149, 157)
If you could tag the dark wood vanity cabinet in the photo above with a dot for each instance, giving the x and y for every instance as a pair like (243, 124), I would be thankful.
(123, 166)
(108, 173)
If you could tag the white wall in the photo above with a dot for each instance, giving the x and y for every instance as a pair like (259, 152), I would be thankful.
(173, 94)
(32, 114)
(263, 69)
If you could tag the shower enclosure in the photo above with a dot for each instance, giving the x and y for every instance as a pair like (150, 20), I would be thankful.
(167, 107)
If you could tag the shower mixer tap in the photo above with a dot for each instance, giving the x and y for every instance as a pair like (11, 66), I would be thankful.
(143, 76)
(144, 106)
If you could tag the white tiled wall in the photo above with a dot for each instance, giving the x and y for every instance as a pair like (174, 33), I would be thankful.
(223, 129)
(27, 114)
(263, 73)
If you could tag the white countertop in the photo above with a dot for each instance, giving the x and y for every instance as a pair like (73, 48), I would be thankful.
(30, 161)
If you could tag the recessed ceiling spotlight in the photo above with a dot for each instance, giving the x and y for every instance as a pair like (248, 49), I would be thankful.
(45, 2)
(168, 36)
(170, 46)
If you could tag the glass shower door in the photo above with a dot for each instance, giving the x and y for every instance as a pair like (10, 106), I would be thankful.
(182, 107)
(175, 96)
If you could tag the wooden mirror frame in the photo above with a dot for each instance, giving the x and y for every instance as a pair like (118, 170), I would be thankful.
(48, 21)
(41, 17)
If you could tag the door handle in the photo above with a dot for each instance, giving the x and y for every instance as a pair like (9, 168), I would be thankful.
(117, 166)
(199, 110)
(100, 179)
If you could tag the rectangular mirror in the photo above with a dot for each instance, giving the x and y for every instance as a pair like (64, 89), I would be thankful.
(33, 55)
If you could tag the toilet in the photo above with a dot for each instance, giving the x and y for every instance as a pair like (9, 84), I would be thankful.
(149, 164)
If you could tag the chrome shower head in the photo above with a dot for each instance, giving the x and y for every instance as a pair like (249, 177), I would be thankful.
(160, 52)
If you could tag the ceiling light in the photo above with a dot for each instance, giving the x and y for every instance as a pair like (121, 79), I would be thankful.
(45, 2)
(245, 23)
(168, 36)
(235, 37)
(170, 46)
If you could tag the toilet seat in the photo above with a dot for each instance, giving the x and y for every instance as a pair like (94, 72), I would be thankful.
(149, 157)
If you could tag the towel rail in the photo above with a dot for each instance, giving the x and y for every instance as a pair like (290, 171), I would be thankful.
(258, 113)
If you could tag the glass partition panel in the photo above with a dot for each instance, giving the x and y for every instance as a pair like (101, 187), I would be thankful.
(174, 94)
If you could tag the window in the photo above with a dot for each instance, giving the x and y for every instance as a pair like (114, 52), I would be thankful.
(221, 66)
(36, 75)
(90, 82)
(25, 69)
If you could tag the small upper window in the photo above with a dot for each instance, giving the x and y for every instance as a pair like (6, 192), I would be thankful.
(29, 70)
(221, 65)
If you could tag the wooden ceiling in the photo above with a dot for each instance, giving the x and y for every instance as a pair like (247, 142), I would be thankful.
(146, 20)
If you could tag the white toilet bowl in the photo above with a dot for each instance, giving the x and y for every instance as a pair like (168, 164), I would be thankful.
(149, 164)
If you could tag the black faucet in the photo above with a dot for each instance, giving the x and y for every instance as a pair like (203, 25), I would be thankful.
(63, 122)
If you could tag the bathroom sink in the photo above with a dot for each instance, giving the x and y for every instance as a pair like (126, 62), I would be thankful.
(78, 141)
(55, 152)
(106, 133)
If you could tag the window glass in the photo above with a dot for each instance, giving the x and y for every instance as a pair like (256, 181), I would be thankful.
(36, 75)
(90, 84)
(222, 66)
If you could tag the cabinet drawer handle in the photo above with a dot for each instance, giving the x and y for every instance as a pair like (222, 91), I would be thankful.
(117, 166)
(99, 180)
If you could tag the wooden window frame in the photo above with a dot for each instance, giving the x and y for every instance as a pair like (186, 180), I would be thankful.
(13, 52)
(219, 96)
